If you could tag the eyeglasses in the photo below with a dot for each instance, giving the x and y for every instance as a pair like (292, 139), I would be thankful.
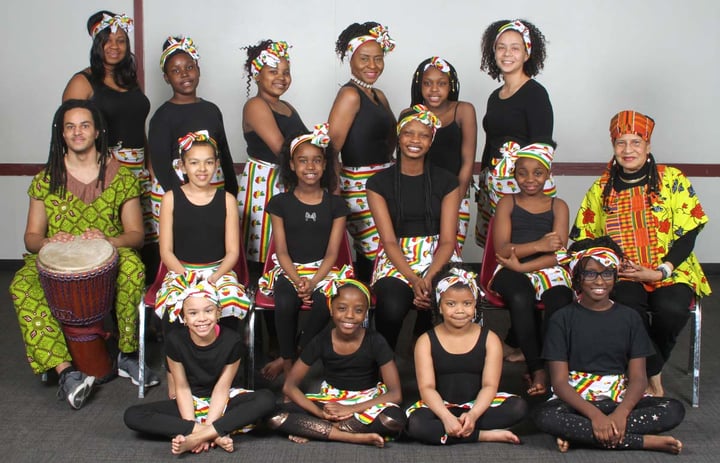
(591, 275)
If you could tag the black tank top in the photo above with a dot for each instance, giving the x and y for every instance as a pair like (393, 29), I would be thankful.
(528, 227)
(445, 150)
(458, 377)
(371, 138)
(288, 125)
(198, 231)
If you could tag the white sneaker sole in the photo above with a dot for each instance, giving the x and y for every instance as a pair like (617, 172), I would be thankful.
(124, 374)
(81, 393)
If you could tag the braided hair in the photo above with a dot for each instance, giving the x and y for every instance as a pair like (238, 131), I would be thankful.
(125, 72)
(55, 166)
(653, 182)
(532, 66)
(350, 32)
(416, 87)
(253, 51)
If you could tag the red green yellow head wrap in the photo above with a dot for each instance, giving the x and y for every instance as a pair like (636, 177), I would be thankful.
(185, 44)
(186, 142)
(423, 115)
(379, 34)
(122, 21)
(629, 121)
(319, 137)
(517, 26)
(270, 56)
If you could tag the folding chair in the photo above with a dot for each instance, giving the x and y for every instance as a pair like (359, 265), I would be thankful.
(148, 302)
(264, 302)
(694, 357)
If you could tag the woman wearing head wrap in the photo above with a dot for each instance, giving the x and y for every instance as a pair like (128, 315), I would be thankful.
(362, 129)
(652, 212)
(519, 111)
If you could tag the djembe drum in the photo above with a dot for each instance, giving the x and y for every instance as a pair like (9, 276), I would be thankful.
(78, 278)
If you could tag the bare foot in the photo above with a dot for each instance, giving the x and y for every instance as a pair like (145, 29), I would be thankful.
(366, 438)
(562, 445)
(226, 443)
(655, 387)
(498, 435)
(512, 354)
(662, 444)
(298, 439)
(537, 383)
(272, 369)
(180, 445)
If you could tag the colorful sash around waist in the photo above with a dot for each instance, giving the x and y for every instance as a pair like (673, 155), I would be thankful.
(267, 281)
(597, 387)
(544, 279)
(330, 394)
(418, 251)
(202, 407)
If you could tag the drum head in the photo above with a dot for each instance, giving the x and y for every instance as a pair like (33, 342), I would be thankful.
(75, 256)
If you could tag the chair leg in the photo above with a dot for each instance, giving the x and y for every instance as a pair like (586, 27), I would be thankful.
(251, 348)
(695, 339)
(141, 347)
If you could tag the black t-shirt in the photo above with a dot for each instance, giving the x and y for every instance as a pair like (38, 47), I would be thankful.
(203, 365)
(413, 199)
(199, 231)
(354, 372)
(525, 117)
(307, 226)
(596, 342)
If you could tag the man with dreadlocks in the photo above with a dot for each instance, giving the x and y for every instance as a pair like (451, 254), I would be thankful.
(82, 193)
(652, 212)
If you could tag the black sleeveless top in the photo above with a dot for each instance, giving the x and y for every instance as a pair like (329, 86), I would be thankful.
(372, 135)
(445, 150)
(124, 113)
(288, 125)
(458, 377)
(528, 227)
(198, 231)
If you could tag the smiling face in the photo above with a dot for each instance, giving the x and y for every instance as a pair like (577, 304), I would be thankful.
(199, 163)
(530, 175)
(368, 62)
(348, 310)
(200, 316)
(182, 73)
(596, 283)
(79, 131)
(435, 87)
(631, 152)
(274, 81)
(116, 47)
(510, 52)
(308, 163)
(457, 306)
(415, 139)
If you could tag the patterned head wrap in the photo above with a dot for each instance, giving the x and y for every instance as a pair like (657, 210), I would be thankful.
(185, 44)
(541, 152)
(604, 256)
(379, 34)
(439, 64)
(188, 285)
(517, 26)
(334, 288)
(270, 56)
(461, 276)
(122, 21)
(629, 121)
(423, 115)
(186, 142)
(319, 137)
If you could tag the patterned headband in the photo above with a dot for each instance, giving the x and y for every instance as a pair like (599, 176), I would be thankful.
(604, 256)
(185, 44)
(122, 21)
(517, 26)
(188, 285)
(423, 115)
(438, 63)
(334, 289)
(457, 276)
(270, 56)
(319, 137)
(541, 152)
(186, 142)
(631, 122)
(379, 34)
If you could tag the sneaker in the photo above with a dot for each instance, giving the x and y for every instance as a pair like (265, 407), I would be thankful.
(75, 386)
(129, 367)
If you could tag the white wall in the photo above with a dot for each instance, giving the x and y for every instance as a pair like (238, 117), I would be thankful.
(660, 58)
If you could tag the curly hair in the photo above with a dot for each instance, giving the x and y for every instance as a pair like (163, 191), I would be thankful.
(289, 177)
(253, 51)
(125, 72)
(600, 242)
(416, 87)
(55, 166)
(350, 32)
(444, 272)
(532, 66)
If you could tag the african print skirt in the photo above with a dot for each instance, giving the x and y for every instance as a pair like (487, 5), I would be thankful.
(329, 394)
(202, 408)
(267, 281)
(463, 221)
(418, 251)
(544, 279)
(597, 387)
(134, 159)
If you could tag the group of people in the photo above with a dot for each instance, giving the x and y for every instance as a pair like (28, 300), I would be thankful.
(401, 187)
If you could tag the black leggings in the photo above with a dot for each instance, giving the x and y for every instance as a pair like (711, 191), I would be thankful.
(163, 418)
(519, 295)
(287, 309)
(294, 420)
(665, 312)
(651, 415)
(394, 300)
(426, 427)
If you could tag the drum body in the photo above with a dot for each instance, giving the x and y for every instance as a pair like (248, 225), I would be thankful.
(78, 278)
